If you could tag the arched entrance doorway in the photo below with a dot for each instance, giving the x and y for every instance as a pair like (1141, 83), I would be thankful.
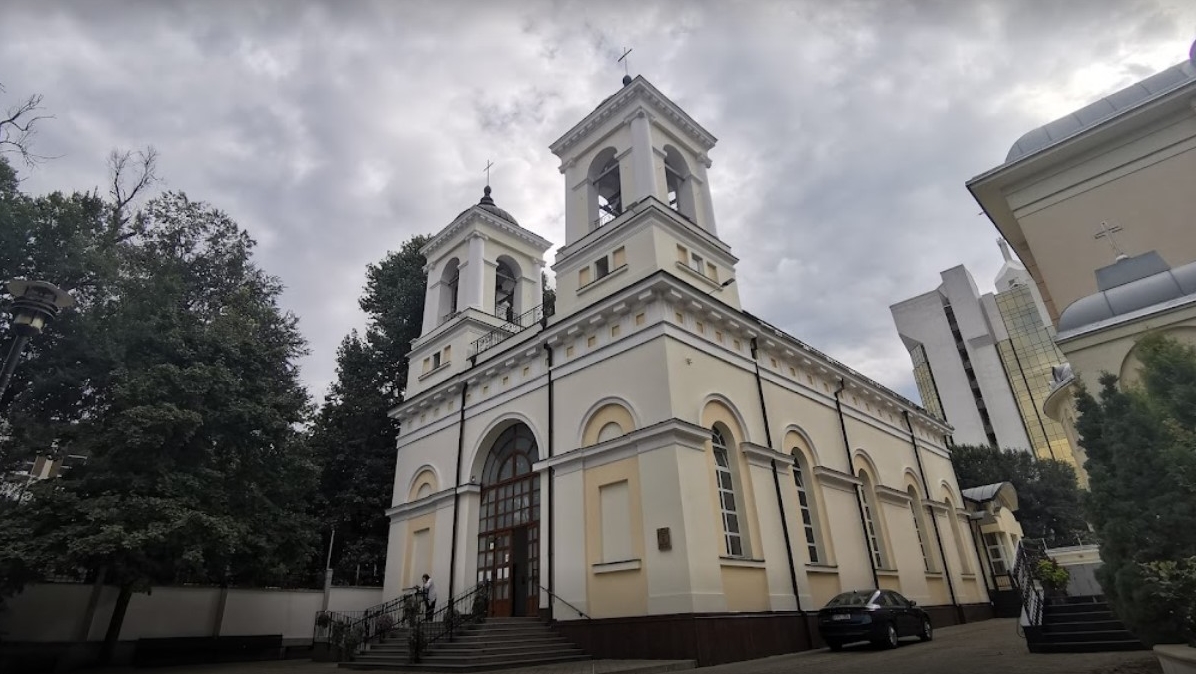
(509, 524)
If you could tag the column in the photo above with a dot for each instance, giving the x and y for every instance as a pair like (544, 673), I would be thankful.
(472, 288)
(431, 303)
(702, 196)
(641, 158)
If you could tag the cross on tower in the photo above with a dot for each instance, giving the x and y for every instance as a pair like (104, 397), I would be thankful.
(489, 164)
(1106, 232)
(625, 61)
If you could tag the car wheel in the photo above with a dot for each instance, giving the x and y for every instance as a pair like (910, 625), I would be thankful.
(927, 631)
(834, 645)
(888, 638)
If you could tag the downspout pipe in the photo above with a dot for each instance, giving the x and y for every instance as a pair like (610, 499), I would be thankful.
(551, 490)
(456, 488)
(859, 503)
(776, 481)
(934, 520)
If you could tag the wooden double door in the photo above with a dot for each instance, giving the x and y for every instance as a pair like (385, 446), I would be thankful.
(509, 526)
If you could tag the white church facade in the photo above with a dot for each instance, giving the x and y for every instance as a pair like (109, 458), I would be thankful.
(655, 469)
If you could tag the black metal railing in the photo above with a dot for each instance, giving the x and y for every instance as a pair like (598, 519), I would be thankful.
(349, 632)
(558, 598)
(513, 325)
(1029, 554)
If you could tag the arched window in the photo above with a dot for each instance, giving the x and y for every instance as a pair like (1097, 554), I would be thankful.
(965, 565)
(728, 499)
(609, 431)
(871, 524)
(450, 280)
(802, 478)
(606, 189)
(678, 182)
(506, 283)
(919, 512)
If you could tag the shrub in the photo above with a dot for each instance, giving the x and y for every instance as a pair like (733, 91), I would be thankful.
(1051, 575)
(1170, 587)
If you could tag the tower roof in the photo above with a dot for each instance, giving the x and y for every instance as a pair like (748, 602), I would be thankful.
(1130, 285)
(1103, 110)
(487, 204)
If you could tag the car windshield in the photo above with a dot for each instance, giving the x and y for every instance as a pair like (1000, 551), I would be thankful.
(851, 599)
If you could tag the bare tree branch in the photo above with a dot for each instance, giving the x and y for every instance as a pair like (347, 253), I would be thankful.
(17, 129)
(132, 173)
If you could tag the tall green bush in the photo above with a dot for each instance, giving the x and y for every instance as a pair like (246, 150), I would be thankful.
(1141, 445)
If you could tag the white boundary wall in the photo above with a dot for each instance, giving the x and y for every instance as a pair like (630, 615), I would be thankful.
(54, 611)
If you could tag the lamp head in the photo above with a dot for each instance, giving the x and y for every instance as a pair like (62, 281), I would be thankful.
(34, 304)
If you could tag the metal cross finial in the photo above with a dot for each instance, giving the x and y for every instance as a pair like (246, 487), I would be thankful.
(489, 164)
(625, 61)
(1106, 232)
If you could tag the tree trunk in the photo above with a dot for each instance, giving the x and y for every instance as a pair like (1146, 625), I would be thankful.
(114, 625)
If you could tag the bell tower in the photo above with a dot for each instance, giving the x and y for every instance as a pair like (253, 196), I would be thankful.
(635, 168)
(483, 276)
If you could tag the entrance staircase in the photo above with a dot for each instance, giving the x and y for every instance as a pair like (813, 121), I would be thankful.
(1080, 625)
(495, 643)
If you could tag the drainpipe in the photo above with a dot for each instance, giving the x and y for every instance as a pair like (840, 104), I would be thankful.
(934, 520)
(776, 482)
(551, 492)
(456, 486)
(859, 503)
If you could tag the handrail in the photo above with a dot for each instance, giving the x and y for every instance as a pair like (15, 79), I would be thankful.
(558, 598)
(1029, 554)
(511, 327)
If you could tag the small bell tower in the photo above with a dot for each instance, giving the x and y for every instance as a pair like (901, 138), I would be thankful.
(483, 275)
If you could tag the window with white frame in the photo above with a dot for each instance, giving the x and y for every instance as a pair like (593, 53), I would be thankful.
(915, 508)
(874, 543)
(805, 501)
(996, 553)
(728, 507)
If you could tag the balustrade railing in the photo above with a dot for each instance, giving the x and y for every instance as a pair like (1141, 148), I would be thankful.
(1029, 553)
(350, 632)
(513, 325)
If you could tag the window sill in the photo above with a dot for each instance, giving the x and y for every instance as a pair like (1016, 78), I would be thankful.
(888, 573)
(615, 567)
(822, 568)
(934, 574)
(598, 281)
(697, 274)
(436, 369)
(741, 562)
(968, 576)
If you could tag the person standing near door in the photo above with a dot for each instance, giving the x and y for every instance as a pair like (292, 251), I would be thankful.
(429, 590)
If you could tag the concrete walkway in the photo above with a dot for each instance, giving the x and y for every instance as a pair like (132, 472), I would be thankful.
(991, 646)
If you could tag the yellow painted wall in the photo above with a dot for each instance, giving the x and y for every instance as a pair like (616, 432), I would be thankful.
(609, 413)
(890, 581)
(414, 568)
(937, 587)
(745, 589)
(823, 586)
(620, 593)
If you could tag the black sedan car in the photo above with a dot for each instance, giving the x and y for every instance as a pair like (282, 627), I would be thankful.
(879, 616)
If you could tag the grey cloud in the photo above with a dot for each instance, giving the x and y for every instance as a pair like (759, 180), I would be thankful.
(334, 131)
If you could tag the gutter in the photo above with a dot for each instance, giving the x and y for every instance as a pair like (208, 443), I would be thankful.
(776, 482)
(859, 504)
(456, 486)
(551, 490)
(934, 520)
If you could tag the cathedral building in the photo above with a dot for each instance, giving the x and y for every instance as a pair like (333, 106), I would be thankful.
(656, 470)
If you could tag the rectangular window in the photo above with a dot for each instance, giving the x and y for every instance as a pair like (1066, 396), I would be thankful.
(698, 264)
(619, 257)
(448, 353)
(639, 319)
(915, 508)
(807, 515)
(435, 360)
(614, 331)
(873, 539)
(682, 254)
(583, 276)
(601, 268)
(732, 534)
(996, 553)
(615, 511)
(711, 271)
(427, 364)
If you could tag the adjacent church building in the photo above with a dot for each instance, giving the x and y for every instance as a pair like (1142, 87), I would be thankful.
(657, 470)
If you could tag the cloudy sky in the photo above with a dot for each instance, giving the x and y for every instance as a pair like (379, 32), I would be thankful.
(333, 131)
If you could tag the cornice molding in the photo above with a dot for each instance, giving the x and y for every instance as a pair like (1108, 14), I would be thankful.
(759, 455)
(477, 214)
(640, 441)
(428, 504)
(829, 477)
(892, 495)
(642, 92)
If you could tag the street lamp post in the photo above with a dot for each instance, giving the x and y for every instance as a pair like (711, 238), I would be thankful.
(34, 304)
